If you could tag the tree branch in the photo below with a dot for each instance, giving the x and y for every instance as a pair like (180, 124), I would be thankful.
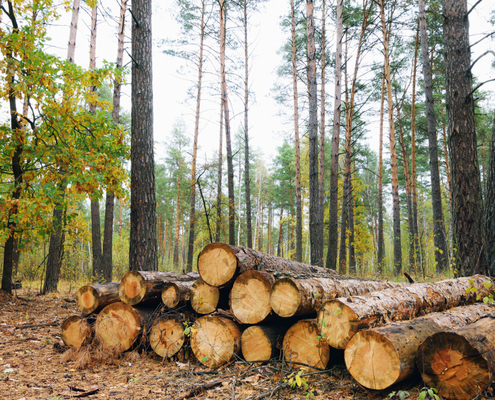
(484, 54)
(472, 8)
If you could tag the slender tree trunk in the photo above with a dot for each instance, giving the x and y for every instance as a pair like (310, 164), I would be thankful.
(315, 222)
(490, 207)
(279, 248)
(142, 250)
(467, 204)
(177, 221)
(219, 186)
(192, 197)
(381, 246)
(321, 182)
(334, 162)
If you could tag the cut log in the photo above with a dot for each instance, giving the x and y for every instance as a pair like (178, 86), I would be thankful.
(381, 357)
(177, 293)
(302, 344)
(341, 318)
(204, 298)
(460, 363)
(262, 342)
(167, 336)
(291, 297)
(77, 330)
(219, 264)
(215, 340)
(118, 326)
(250, 297)
(146, 286)
(93, 298)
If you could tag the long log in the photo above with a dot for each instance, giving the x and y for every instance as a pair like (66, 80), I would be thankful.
(380, 357)
(93, 298)
(146, 286)
(219, 264)
(262, 342)
(250, 297)
(204, 298)
(77, 331)
(302, 344)
(167, 336)
(292, 297)
(460, 363)
(215, 340)
(176, 293)
(341, 318)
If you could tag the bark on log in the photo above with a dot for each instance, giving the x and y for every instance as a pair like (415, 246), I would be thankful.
(302, 344)
(146, 286)
(380, 357)
(262, 342)
(204, 298)
(177, 293)
(460, 363)
(167, 336)
(93, 298)
(118, 326)
(291, 297)
(77, 330)
(341, 318)
(250, 297)
(219, 264)
(215, 340)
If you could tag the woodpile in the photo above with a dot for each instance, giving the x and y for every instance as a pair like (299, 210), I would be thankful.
(244, 303)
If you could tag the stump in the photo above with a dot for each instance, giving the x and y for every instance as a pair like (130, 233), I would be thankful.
(93, 298)
(167, 336)
(77, 331)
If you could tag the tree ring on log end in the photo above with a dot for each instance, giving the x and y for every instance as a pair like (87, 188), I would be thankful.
(368, 352)
(87, 299)
(132, 288)
(167, 336)
(285, 298)
(204, 298)
(256, 346)
(76, 331)
(217, 264)
(337, 323)
(170, 295)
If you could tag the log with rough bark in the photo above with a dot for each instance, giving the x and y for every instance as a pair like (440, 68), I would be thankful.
(146, 286)
(176, 293)
(215, 340)
(291, 297)
(460, 363)
(167, 336)
(118, 326)
(77, 330)
(262, 342)
(219, 264)
(341, 318)
(93, 298)
(303, 344)
(380, 357)
(250, 297)
(204, 298)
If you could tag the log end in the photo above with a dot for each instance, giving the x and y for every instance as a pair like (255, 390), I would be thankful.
(250, 297)
(204, 298)
(449, 363)
(76, 331)
(132, 288)
(285, 298)
(372, 360)
(217, 264)
(167, 336)
(337, 323)
(87, 299)
(256, 346)
(170, 295)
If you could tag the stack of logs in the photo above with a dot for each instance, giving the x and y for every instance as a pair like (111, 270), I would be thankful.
(244, 302)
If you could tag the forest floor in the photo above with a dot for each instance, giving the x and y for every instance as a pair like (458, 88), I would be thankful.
(35, 364)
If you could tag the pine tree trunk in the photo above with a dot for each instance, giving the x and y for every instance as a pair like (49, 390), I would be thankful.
(107, 262)
(219, 183)
(177, 221)
(490, 207)
(321, 179)
(381, 245)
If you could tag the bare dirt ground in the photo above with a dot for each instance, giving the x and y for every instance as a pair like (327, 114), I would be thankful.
(35, 364)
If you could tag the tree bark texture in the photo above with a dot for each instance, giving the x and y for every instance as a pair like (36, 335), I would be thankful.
(340, 319)
(219, 187)
(378, 358)
(107, 259)
(490, 207)
(381, 245)
(467, 204)
(92, 298)
(143, 245)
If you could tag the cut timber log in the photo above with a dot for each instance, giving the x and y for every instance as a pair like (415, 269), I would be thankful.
(291, 297)
(219, 264)
(460, 363)
(204, 298)
(250, 297)
(341, 318)
(176, 293)
(145, 286)
(262, 342)
(167, 336)
(77, 330)
(93, 298)
(302, 344)
(380, 357)
(215, 340)
(118, 326)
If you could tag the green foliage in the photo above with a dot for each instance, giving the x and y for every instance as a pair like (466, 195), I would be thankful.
(428, 394)
(398, 395)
